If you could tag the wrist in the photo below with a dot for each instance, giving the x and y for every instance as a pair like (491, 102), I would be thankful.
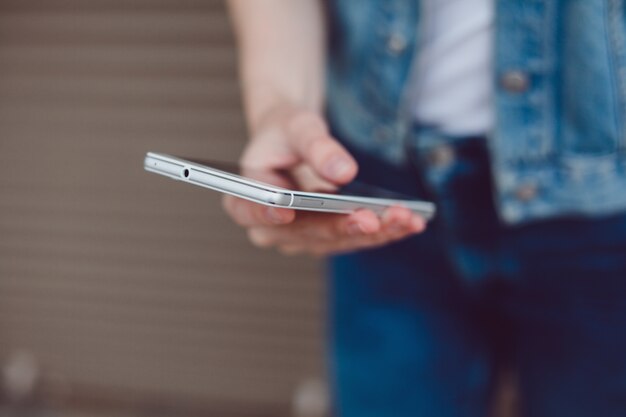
(265, 105)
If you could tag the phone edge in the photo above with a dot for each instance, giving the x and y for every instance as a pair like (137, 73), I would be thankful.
(216, 180)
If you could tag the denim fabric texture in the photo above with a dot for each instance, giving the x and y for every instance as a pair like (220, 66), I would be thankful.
(559, 144)
(423, 326)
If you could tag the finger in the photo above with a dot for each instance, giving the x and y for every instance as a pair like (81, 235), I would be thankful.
(396, 214)
(269, 150)
(323, 233)
(246, 213)
(308, 180)
(309, 137)
(361, 222)
(311, 229)
(398, 223)
(360, 243)
(260, 237)
(396, 219)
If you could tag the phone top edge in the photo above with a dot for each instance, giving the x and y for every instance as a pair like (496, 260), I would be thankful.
(214, 171)
(186, 171)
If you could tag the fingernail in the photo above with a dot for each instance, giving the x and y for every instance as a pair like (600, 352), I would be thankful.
(417, 224)
(354, 229)
(274, 216)
(387, 217)
(338, 167)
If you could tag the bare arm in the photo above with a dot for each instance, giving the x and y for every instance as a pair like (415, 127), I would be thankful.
(281, 53)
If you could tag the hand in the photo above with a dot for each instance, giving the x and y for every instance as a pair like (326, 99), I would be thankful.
(297, 141)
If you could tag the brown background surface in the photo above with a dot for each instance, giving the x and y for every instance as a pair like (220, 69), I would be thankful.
(128, 288)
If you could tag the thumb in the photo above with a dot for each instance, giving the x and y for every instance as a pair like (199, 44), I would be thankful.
(309, 137)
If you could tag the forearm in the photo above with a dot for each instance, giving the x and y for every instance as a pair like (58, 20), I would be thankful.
(281, 54)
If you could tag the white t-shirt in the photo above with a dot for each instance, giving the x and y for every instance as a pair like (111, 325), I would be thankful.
(454, 71)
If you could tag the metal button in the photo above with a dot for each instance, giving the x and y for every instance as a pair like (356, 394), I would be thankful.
(396, 43)
(526, 192)
(440, 156)
(515, 81)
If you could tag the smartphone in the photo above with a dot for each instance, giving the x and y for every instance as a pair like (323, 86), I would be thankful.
(226, 179)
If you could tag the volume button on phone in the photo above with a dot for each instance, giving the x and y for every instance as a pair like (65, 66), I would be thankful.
(310, 202)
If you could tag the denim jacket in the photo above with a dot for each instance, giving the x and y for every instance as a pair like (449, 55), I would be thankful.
(558, 147)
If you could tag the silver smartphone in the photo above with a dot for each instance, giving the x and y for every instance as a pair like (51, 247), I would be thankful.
(217, 177)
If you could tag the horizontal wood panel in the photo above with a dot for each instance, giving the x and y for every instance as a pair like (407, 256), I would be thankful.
(98, 6)
(114, 27)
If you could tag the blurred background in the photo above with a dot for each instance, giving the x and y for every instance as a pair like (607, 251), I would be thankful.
(123, 293)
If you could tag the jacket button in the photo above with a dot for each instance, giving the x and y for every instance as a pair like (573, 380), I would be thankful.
(526, 192)
(440, 157)
(396, 43)
(515, 81)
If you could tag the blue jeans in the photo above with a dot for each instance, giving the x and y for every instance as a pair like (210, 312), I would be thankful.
(422, 327)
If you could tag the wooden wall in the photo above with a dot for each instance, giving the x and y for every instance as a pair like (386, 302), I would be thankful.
(127, 287)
